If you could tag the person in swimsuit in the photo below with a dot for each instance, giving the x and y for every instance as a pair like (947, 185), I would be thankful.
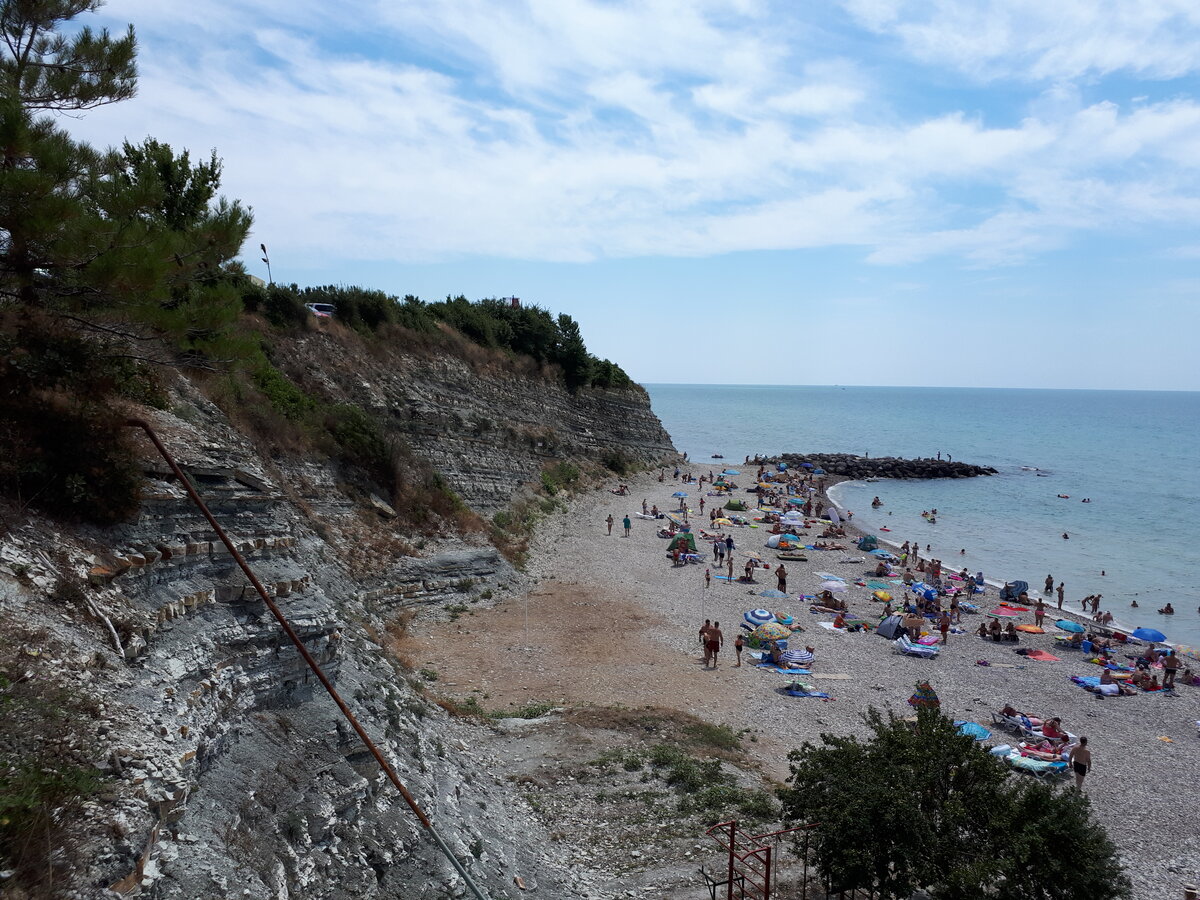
(704, 630)
(738, 644)
(715, 640)
(1081, 761)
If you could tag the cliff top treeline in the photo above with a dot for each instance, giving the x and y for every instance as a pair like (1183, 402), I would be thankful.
(496, 324)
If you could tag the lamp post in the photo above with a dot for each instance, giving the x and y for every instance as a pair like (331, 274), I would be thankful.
(267, 259)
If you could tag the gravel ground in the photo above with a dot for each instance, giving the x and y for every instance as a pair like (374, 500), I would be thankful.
(612, 622)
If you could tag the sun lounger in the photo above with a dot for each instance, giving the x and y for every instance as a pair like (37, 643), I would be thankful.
(1037, 767)
(908, 648)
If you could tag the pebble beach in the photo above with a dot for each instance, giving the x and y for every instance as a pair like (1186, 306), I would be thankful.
(1145, 780)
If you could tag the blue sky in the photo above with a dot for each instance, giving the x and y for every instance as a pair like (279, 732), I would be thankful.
(887, 192)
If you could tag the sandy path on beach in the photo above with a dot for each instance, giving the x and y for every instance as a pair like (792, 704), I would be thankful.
(612, 622)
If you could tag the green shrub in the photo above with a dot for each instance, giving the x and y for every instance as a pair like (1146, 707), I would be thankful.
(284, 396)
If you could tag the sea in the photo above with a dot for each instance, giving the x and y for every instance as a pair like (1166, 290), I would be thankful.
(1134, 454)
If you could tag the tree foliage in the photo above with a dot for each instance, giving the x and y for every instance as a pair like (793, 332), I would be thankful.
(111, 261)
(924, 807)
(528, 331)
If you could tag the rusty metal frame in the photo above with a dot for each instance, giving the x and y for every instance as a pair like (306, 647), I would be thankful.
(387, 768)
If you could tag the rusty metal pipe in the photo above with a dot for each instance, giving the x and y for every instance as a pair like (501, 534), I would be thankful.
(308, 657)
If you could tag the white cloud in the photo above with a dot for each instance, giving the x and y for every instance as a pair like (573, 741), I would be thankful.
(575, 129)
(1032, 39)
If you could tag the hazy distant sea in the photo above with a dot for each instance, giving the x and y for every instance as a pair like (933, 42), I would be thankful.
(1136, 454)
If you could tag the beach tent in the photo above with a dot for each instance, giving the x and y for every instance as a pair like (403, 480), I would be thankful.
(1013, 590)
(891, 627)
(685, 541)
(736, 504)
(869, 542)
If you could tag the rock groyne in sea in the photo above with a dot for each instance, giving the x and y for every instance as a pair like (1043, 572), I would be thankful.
(848, 465)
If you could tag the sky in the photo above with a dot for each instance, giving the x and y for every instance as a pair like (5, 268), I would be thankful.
(881, 192)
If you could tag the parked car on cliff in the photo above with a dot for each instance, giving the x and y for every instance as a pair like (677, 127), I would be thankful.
(321, 310)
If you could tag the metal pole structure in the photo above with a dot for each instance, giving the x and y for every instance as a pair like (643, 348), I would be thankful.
(308, 658)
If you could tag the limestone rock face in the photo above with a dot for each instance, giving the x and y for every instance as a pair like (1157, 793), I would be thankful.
(485, 430)
(229, 771)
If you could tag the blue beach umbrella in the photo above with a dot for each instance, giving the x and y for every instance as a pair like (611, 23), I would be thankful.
(759, 616)
(1073, 627)
(772, 594)
(790, 538)
(731, 472)
(679, 494)
(1148, 634)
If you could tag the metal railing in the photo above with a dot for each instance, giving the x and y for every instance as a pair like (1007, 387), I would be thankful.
(310, 661)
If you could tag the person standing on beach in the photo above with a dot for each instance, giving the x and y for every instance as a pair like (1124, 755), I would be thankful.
(781, 575)
(944, 626)
(609, 522)
(738, 644)
(704, 630)
(1081, 761)
(731, 568)
(1061, 587)
(715, 640)
(628, 525)
(707, 578)
(1170, 664)
(1039, 614)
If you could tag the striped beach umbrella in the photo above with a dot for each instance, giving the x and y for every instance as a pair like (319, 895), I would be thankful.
(925, 696)
(758, 617)
(797, 657)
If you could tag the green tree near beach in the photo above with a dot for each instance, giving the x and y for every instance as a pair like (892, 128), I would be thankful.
(922, 806)
(113, 263)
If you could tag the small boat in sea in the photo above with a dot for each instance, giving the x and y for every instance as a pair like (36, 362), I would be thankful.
(718, 456)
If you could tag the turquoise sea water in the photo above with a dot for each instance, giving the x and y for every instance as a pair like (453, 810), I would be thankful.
(1136, 454)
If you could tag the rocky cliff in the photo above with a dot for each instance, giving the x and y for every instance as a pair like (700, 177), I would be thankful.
(226, 770)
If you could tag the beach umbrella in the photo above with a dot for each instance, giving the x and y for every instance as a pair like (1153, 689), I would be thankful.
(772, 594)
(797, 657)
(771, 631)
(753, 554)
(1148, 634)
(833, 586)
(972, 729)
(1073, 627)
(731, 472)
(818, 471)
(758, 617)
(1185, 650)
(829, 576)
(925, 696)
(679, 494)
(790, 538)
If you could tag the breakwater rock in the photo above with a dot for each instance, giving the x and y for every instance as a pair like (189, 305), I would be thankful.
(851, 466)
